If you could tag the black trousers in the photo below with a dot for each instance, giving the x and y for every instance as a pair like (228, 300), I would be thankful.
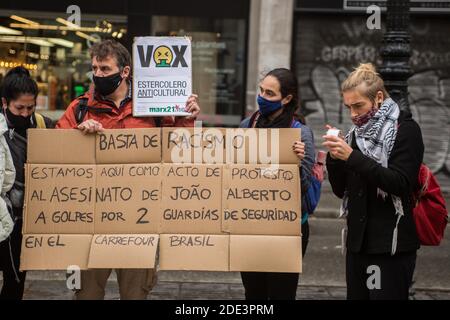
(379, 276)
(274, 285)
(13, 280)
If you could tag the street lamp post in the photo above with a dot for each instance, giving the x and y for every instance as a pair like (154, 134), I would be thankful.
(396, 52)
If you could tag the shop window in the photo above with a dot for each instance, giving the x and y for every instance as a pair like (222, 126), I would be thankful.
(55, 52)
(218, 62)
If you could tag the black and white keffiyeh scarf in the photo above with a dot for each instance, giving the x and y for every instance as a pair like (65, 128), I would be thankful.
(376, 139)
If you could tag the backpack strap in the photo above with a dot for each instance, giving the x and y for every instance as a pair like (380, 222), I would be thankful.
(295, 122)
(253, 119)
(82, 109)
(40, 122)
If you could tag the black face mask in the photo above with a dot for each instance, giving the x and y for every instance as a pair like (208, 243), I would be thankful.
(107, 85)
(19, 123)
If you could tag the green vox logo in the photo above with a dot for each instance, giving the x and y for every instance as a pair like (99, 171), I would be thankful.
(163, 56)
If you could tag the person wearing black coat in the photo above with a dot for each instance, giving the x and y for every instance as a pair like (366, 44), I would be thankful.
(374, 170)
(18, 96)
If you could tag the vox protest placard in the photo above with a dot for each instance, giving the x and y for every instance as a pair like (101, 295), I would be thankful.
(162, 76)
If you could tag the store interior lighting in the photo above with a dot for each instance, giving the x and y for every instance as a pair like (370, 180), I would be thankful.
(54, 27)
(23, 20)
(83, 32)
(9, 31)
(67, 23)
(86, 36)
(41, 41)
(21, 39)
(61, 42)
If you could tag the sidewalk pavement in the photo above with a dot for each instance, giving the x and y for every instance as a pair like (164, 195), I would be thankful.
(169, 290)
(323, 274)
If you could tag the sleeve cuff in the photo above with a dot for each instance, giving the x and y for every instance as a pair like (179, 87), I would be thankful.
(333, 162)
(356, 159)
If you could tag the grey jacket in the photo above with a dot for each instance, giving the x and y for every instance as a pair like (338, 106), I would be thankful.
(7, 177)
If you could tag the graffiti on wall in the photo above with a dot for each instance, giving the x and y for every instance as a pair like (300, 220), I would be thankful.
(325, 57)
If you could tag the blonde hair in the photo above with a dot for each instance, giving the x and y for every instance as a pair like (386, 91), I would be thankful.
(370, 80)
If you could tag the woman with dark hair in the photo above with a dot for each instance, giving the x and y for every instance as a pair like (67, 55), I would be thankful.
(18, 92)
(278, 102)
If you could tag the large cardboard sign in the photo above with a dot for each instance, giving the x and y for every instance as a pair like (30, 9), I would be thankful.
(259, 199)
(194, 252)
(128, 146)
(266, 253)
(66, 147)
(128, 198)
(162, 76)
(59, 199)
(227, 145)
(194, 145)
(123, 251)
(54, 251)
(261, 146)
(191, 199)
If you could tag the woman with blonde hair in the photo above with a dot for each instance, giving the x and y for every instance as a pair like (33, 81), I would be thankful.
(374, 169)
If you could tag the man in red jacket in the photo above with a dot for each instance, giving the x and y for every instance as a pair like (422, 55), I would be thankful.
(108, 105)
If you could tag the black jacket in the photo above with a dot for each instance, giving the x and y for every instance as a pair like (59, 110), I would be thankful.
(18, 148)
(371, 220)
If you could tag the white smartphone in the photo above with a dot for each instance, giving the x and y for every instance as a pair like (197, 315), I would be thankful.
(333, 132)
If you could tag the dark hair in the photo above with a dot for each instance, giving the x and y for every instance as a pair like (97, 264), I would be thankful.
(106, 48)
(18, 81)
(288, 86)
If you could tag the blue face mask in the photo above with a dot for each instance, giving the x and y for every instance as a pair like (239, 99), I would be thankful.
(267, 107)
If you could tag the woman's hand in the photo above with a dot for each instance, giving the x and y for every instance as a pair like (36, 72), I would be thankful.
(339, 149)
(192, 106)
(331, 127)
(299, 149)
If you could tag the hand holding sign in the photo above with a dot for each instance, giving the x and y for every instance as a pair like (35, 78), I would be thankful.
(90, 126)
(192, 106)
(299, 149)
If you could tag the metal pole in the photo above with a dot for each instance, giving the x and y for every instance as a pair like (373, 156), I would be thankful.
(396, 52)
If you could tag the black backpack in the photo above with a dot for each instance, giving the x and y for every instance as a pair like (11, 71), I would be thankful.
(82, 109)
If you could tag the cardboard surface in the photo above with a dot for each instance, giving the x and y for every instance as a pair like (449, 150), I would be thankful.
(54, 251)
(59, 199)
(131, 251)
(193, 145)
(128, 198)
(194, 252)
(260, 200)
(266, 253)
(209, 217)
(220, 145)
(58, 146)
(128, 146)
(261, 146)
(191, 199)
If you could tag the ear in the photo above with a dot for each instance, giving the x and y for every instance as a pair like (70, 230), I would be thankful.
(126, 72)
(286, 99)
(4, 104)
(380, 97)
